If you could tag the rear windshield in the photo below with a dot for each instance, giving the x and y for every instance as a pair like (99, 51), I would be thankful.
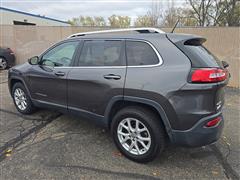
(201, 57)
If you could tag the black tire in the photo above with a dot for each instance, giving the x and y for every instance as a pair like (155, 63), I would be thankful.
(29, 107)
(151, 122)
(6, 63)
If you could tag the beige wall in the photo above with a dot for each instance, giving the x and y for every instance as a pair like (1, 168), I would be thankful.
(27, 41)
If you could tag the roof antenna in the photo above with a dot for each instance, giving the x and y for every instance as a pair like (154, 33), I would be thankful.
(175, 25)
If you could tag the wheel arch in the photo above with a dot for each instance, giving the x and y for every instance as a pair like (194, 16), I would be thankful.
(120, 102)
(15, 80)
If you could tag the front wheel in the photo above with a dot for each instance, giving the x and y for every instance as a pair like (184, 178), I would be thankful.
(138, 133)
(21, 99)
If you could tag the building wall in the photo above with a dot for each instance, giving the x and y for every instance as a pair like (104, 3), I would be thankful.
(27, 41)
(7, 18)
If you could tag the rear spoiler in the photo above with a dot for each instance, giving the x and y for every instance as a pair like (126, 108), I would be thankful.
(186, 39)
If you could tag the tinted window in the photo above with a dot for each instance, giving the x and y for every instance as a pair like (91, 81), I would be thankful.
(201, 57)
(61, 55)
(101, 53)
(140, 53)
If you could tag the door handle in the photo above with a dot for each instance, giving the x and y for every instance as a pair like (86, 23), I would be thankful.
(60, 73)
(112, 76)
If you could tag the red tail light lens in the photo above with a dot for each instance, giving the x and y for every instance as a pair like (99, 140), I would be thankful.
(208, 75)
(213, 122)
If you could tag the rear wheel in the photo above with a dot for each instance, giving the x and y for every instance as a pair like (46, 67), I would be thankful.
(138, 134)
(21, 99)
(3, 63)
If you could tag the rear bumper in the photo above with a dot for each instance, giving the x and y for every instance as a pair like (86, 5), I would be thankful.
(199, 135)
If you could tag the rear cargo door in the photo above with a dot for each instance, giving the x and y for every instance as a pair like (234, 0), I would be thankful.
(207, 69)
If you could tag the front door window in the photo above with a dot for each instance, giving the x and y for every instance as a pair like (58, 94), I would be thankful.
(61, 55)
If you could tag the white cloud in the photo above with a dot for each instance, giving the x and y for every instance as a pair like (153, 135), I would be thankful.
(65, 10)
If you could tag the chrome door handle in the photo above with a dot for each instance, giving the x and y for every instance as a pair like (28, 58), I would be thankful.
(112, 76)
(59, 73)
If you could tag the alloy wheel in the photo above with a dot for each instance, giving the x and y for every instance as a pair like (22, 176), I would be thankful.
(134, 136)
(20, 99)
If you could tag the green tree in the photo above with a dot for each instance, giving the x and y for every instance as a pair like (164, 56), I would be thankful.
(119, 21)
(88, 21)
(183, 14)
(99, 21)
(74, 21)
(216, 12)
(143, 21)
(233, 13)
(200, 11)
(226, 13)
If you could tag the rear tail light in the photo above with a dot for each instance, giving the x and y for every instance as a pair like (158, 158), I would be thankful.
(208, 75)
(213, 122)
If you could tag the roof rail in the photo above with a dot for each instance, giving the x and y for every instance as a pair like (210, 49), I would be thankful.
(140, 30)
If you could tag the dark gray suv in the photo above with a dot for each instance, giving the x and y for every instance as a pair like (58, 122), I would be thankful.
(148, 87)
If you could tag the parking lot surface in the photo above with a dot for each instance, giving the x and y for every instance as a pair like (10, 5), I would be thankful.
(50, 145)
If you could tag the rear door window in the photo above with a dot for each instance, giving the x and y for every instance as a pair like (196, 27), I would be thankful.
(140, 53)
(102, 53)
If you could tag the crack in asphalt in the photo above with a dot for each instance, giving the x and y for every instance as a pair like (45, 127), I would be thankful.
(23, 134)
(228, 170)
(102, 171)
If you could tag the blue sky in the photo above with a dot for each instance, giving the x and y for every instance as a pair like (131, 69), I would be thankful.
(64, 10)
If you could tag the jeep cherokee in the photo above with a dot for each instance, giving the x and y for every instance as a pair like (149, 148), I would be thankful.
(148, 87)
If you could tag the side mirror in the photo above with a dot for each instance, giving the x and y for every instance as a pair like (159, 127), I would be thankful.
(225, 64)
(34, 60)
